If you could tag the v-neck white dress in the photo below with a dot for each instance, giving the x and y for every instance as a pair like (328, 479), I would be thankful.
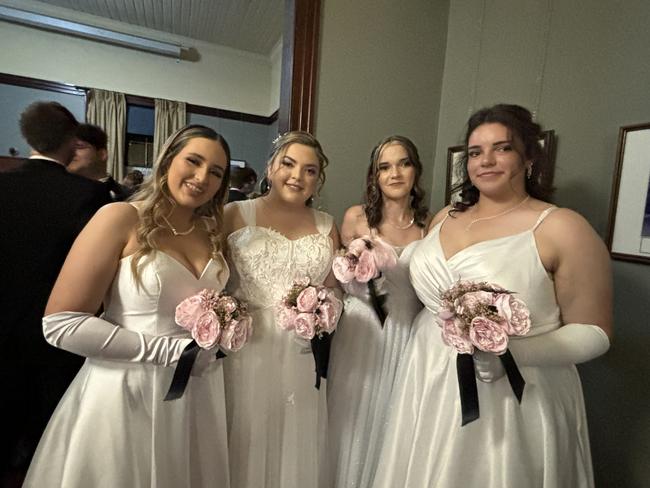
(112, 427)
(542, 442)
(276, 417)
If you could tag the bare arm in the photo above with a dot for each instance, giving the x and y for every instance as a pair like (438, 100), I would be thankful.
(92, 261)
(354, 224)
(581, 269)
(88, 271)
(331, 280)
(232, 219)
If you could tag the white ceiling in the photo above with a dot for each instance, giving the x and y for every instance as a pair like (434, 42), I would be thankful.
(249, 25)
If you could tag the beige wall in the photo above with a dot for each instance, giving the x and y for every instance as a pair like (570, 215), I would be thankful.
(380, 73)
(222, 78)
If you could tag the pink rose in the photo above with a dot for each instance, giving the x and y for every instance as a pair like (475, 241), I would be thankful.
(228, 304)
(307, 301)
(343, 268)
(188, 312)
(445, 314)
(453, 336)
(473, 299)
(237, 333)
(329, 313)
(357, 246)
(366, 267)
(207, 330)
(286, 317)
(519, 323)
(385, 255)
(488, 336)
(305, 325)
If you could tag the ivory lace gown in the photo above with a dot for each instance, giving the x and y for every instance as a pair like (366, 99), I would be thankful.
(363, 364)
(541, 443)
(276, 417)
(112, 427)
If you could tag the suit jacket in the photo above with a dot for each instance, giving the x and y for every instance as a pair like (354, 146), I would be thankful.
(116, 191)
(235, 195)
(42, 209)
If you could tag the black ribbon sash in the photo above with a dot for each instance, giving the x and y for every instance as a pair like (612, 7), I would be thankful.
(378, 302)
(320, 348)
(184, 369)
(467, 383)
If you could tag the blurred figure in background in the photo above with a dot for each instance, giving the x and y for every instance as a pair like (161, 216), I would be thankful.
(133, 180)
(90, 160)
(242, 183)
(44, 207)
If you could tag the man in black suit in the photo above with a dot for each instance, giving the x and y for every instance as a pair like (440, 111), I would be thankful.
(242, 183)
(90, 160)
(42, 209)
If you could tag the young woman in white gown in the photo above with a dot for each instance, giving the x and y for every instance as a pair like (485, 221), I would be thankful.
(365, 353)
(276, 417)
(503, 232)
(140, 259)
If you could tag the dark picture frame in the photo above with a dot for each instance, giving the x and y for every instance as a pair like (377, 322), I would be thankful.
(628, 235)
(456, 153)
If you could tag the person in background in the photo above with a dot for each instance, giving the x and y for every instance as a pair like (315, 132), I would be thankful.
(133, 180)
(42, 209)
(242, 183)
(90, 159)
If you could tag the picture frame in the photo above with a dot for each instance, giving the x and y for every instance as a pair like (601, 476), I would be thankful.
(456, 153)
(628, 236)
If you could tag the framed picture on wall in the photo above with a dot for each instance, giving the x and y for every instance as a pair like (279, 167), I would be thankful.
(455, 156)
(629, 210)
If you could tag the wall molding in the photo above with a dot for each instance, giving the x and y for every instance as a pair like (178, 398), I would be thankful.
(58, 87)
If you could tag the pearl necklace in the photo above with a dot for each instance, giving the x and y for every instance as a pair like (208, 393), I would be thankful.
(176, 232)
(467, 227)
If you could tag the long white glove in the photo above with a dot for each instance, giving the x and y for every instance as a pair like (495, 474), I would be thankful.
(87, 335)
(570, 344)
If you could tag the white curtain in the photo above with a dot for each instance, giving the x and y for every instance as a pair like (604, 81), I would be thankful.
(169, 117)
(107, 110)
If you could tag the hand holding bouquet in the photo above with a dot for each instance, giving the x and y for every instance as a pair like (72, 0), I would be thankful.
(309, 310)
(312, 313)
(363, 262)
(481, 315)
(214, 319)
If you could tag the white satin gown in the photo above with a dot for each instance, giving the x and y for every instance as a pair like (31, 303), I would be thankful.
(542, 442)
(276, 417)
(112, 427)
(363, 364)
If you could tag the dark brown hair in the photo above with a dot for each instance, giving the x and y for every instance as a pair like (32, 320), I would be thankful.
(47, 126)
(93, 135)
(520, 122)
(373, 197)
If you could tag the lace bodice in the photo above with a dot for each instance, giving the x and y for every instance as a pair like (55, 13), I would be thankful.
(264, 262)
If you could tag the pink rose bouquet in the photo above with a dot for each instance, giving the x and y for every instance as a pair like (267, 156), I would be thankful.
(215, 319)
(364, 260)
(308, 310)
(362, 263)
(481, 315)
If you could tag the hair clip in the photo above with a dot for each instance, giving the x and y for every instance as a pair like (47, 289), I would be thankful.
(280, 136)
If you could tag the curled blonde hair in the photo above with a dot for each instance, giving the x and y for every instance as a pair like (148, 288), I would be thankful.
(154, 195)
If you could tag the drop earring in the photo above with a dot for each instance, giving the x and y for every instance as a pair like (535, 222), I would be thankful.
(529, 171)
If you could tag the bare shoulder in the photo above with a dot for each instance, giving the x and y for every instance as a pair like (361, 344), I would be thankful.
(439, 216)
(354, 224)
(118, 216)
(232, 218)
(567, 226)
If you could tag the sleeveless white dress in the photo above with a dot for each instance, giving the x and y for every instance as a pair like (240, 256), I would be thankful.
(363, 364)
(276, 417)
(112, 427)
(542, 442)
